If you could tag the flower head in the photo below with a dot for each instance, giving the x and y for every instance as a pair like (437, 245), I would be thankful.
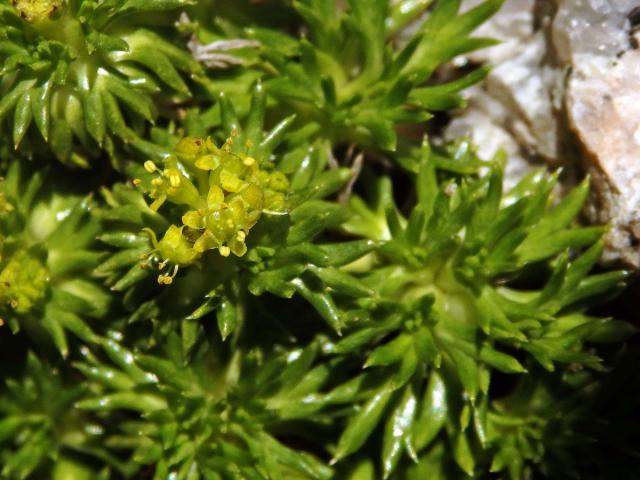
(224, 194)
(23, 282)
(37, 10)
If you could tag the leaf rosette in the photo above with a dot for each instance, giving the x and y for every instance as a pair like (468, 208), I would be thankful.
(48, 254)
(83, 77)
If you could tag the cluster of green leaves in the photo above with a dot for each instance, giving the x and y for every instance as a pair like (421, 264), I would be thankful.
(354, 80)
(229, 294)
(80, 75)
(449, 311)
(48, 256)
(282, 257)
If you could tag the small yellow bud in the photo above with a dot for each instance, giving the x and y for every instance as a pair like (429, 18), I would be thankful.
(136, 182)
(278, 181)
(205, 242)
(215, 196)
(248, 161)
(208, 162)
(190, 146)
(165, 280)
(229, 181)
(174, 247)
(23, 282)
(225, 251)
(193, 219)
(149, 166)
(174, 180)
(241, 236)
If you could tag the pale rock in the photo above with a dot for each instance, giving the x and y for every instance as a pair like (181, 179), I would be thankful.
(602, 105)
(565, 89)
(512, 109)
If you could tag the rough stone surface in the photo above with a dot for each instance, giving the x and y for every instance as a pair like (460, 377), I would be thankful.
(566, 89)
(602, 102)
(520, 82)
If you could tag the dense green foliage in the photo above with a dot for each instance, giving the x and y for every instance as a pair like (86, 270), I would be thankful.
(230, 251)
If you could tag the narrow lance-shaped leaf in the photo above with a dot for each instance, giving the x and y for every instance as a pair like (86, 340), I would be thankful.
(362, 424)
(398, 425)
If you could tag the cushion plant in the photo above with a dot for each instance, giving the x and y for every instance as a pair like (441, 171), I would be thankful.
(229, 250)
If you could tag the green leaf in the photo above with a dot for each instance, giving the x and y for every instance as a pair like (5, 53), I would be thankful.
(255, 121)
(402, 13)
(427, 187)
(8, 102)
(368, 19)
(472, 19)
(322, 302)
(124, 258)
(462, 452)
(227, 318)
(390, 353)
(612, 331)
(9, 427)
(564, 213)
(500, 361)
(426, 347)
(125, 360)
(534, 249)
(76, 325)
(114, 119)
(136, 101)
(398, 425)
(325, 184)
(51, 325)
(467, 370)
(342, 253)
(155, 6)
(104, 375)
(136, 402)
(381, 131)
(341, 282)
(445, 96)
(408, 366)
(124, 239)
(313, 217)
(22, 116)
(362, 424)
(276, 281)
(356, 340)
(166, 371)
(148, 50)
(41, 108)
(190, 332)
(106, 43)
(592, 287)
(299, 362)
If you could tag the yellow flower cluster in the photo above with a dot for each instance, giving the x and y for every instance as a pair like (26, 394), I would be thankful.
(23, 282)
(224, 194)
(36, 10)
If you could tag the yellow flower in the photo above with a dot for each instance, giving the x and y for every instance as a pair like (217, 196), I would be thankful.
(23, 282)
(175, 248)
(37, 10)
(224, 194)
